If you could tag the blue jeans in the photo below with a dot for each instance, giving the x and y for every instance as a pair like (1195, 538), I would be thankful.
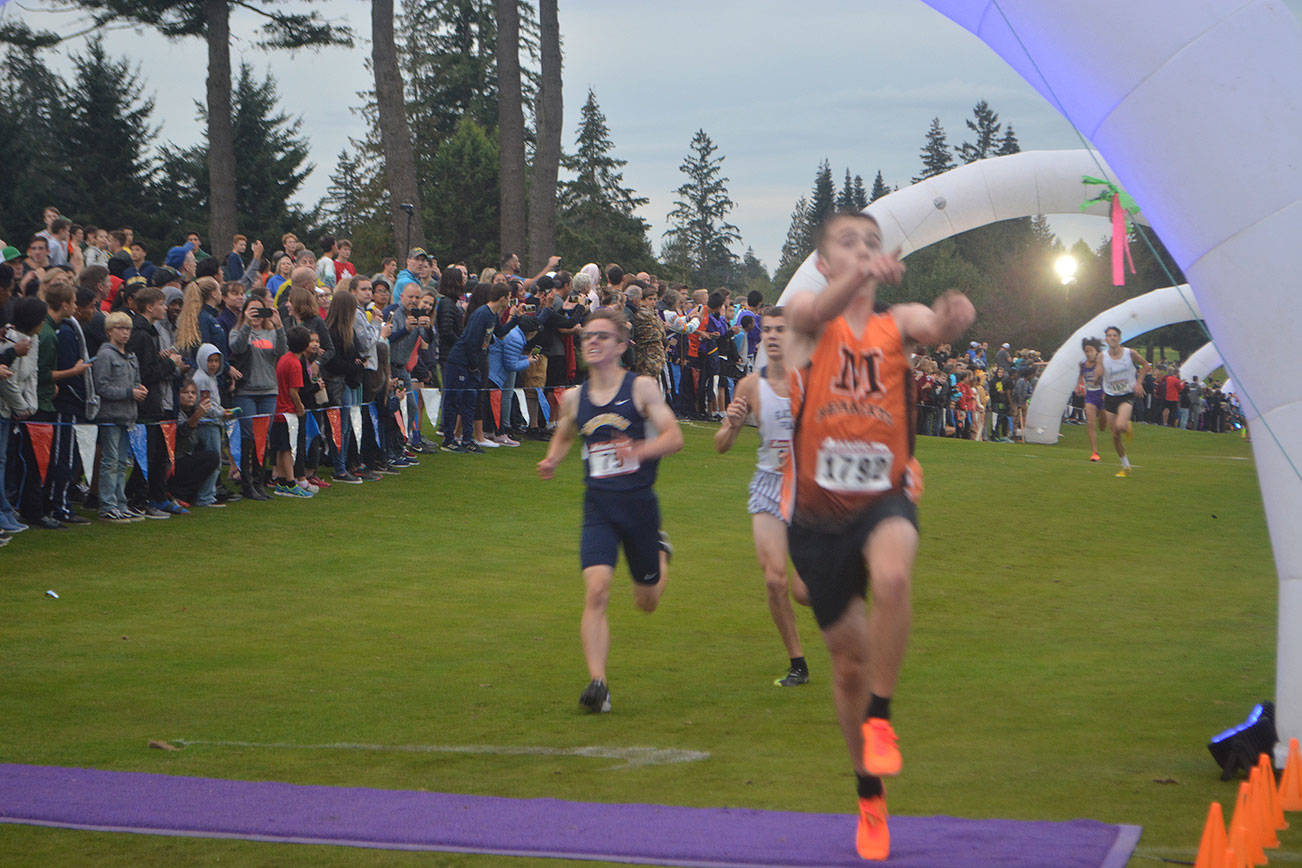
(5, 429)
(209, 438)
(345, 396)
(251, 405)
(114, 465)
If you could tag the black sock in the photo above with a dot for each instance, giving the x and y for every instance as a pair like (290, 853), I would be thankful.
(798, 664)
(869, 786)
(879, 706)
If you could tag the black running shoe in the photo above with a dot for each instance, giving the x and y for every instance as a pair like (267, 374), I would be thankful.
(794, 678)
(595, 697)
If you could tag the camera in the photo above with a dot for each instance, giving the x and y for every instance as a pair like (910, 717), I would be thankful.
(408, 207)
(262, 313)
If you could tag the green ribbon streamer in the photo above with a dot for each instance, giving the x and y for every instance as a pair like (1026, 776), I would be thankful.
(1109, 190)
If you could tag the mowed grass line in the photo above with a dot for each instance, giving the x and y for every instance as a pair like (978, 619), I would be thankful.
(1077, 638)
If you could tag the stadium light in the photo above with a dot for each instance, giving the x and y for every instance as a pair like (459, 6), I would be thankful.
(1066, 267)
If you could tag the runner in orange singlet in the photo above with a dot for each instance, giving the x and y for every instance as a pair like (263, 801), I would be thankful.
(851, 485)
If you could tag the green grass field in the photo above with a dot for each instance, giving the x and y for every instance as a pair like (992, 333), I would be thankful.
(1077, 640)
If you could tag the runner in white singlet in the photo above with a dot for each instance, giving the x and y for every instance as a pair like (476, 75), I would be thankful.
(1123, 381)
(764, 394)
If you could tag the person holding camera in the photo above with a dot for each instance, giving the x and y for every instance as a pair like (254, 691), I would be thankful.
(411, 324)
(257, 342)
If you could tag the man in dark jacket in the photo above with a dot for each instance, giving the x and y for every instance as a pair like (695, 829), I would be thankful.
(157, 368)
(462, 374)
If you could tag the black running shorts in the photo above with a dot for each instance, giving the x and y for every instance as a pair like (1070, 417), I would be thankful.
(831, 563)
(630, 518)
(1113, 403)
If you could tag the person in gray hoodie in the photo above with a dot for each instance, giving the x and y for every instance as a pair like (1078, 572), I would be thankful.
(18, 389)
(208, 364)
(117, 382)
(257, 343)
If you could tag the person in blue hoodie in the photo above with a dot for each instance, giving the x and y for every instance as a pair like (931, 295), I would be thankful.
(507, 357)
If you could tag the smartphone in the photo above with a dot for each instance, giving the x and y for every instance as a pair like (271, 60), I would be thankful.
(203, 394)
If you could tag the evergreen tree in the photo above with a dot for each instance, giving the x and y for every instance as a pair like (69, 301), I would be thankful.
(35, 167)
(698, 222)
(936, 156)
(449, 64)
(282, 28)
(985, 125)
(1042, 231)
(108, 131)
(342, 208)
(798, 244)
(845, 198)
(597, 222)
(1008, 144)
(879, 188)
(822, 199)
(860, 195)
(463, 219)
(752, 276)
(272, 167)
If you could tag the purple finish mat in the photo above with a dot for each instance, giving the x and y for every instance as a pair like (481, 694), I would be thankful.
(646, 834)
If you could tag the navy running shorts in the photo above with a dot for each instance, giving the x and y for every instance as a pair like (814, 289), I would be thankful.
(628, 518)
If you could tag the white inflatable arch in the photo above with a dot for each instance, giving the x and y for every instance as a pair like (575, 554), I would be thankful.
(1197, 109)
(1201, 362)
(1134, 316)
(976, 194)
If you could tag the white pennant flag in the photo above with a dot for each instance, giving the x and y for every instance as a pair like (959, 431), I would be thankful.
(524, 408)
(433, 400)
(291, 421)
(406, 423)
(355, 420)
(86, 436)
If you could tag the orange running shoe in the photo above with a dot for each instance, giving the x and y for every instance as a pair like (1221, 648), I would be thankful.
(873, 840)
(881, 754)
(1095, 457)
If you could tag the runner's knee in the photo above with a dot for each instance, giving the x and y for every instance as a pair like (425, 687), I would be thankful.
(891, 587)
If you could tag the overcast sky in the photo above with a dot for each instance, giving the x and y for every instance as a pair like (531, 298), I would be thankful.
(778, 87)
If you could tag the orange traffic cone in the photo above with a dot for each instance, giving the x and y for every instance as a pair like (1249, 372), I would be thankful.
(1212, 847)
(1268, 775)
(1290, 787)
(1259, 800)
(1243, 829)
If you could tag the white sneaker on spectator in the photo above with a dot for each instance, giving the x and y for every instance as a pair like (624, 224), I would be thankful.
(487, 444)
(504, 440)
(308, 487)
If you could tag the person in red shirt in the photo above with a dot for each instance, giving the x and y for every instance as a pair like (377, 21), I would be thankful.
(343, 265)
(289, 380)
(1171, 386)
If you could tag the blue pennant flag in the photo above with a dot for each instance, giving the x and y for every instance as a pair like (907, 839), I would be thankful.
(139, 438)
(375, 424)
(544, 407)
(236, 441)
(311, 426)
(676, 374)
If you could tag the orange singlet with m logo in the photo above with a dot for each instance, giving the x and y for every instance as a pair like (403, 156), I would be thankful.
(853, 440)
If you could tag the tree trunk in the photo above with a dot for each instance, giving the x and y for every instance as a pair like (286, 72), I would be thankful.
(510, 125)
(221, 133)
(395, 135)
(547, 157)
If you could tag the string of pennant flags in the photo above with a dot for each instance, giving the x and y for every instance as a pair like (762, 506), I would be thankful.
(41, 434)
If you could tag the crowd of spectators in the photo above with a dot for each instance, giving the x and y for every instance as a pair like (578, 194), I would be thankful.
(202, 380)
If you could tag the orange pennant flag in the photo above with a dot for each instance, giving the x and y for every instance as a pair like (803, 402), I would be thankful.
(495, 402)
(336, 426)
(169, 437)
(42, 437)
(261, 425)
(415, 351)
(555, 397)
